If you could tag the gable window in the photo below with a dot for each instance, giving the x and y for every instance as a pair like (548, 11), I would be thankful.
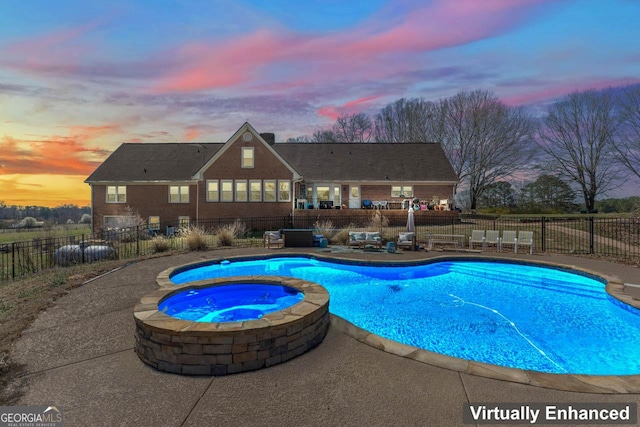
(284, 191)
(255, 191)
(269, 190)
(241, 191)
(226, 186)
(178, 194)
(402, 190)
(116, 194)
(247, 157)
(213, 191)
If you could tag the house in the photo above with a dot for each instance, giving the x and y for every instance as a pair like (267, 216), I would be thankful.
(252, 176)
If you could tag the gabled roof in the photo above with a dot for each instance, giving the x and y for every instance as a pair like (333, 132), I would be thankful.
(154, 162)
(368, 161)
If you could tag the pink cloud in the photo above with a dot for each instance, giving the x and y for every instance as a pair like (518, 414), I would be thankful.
(351, 107)
(348, 54)
(191, 133)
(556, 91)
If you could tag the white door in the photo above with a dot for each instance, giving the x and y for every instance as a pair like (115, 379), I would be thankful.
(354, 197)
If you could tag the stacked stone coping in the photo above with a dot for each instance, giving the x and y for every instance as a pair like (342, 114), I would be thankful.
(185, 347)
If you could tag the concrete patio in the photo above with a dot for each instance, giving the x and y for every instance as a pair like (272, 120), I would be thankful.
(79, 356)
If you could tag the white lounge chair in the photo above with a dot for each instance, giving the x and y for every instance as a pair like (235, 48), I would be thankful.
(406, 240)
(525, 238)
(509, 238)
(273, 238)
(492, 238)
(477, 236)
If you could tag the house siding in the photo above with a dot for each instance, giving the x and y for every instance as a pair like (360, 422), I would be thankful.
(422, 192)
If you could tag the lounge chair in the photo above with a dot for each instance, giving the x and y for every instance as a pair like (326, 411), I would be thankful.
(273, 238)
(509, 238)
(525, 238)
(477, 236)
(492, 238)
(407, 240)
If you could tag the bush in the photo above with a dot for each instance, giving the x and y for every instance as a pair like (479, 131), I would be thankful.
(28, 222)
(159, 244)
(196, 239)
(341, 237)
(325, 228)
(227, 233)
(85, 219)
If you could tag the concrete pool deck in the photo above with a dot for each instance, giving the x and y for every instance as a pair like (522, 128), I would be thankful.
(79, 356)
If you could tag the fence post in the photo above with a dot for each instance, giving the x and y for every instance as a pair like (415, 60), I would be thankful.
(82, 246)
(544, 229)
(13, 260)
(138, 240)
(591, 237)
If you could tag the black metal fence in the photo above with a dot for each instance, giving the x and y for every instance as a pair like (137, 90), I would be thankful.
(608, 237)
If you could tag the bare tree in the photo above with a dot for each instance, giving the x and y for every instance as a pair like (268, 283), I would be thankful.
(353, 128)
(485, 140)
(405, 120)
(629, 146)
(579, 135)
(323, 136)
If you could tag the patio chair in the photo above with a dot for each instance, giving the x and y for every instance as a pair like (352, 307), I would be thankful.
(273, 238)
(407, 240)
(373, 238)
(366, 204)
(492, 238)
(525, 238)
(383, 204)
(477, 236)
(509, 238)
(376, 204)
(357, 238)
(444, 205)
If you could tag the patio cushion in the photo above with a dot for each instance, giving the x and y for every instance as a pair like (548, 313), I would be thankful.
(373, 236)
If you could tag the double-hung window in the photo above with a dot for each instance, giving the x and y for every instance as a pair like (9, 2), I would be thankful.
(248, 157)
(270, 190)
(241, 190)
(402, 190)
(226, 190)
(213, 191)
(255, 190)
(178, 194)
(284, 191)
(116, 194)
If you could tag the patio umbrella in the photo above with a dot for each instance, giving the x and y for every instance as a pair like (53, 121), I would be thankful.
(411, 224)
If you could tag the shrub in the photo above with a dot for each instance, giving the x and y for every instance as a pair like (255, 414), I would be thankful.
(378, 221)
(227, 233)
(159, 244)
(85, 219)
(196, 239)
(341, 237)
(324, 227)
(28, 222)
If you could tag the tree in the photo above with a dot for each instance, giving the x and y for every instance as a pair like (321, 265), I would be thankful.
(85, 219)
(497, 194)
(548, 193)
(579, 137)
(405, 120)
(353, 128)
(629, 146)
(323, 136)
(485, 140)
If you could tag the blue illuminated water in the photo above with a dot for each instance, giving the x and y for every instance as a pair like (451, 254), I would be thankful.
(507, 314)
(230, 303)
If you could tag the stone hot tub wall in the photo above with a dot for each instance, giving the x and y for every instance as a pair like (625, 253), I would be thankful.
(208, 348)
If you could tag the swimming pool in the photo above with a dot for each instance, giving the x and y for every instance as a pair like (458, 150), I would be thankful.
(502, 313)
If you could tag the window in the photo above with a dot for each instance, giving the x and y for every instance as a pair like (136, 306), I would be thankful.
(247, 157)
(284, 191)
(154, 223)
(227, 190)
(336, 195)
(241, 191)
(183, 222)
(178, 194)
(402, 190)
(213, 191)
(324, 193)
(116, 194)
(255, 191)
(269, 191)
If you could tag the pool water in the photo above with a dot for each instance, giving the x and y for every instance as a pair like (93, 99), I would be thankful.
(514, 315)
(230, 303)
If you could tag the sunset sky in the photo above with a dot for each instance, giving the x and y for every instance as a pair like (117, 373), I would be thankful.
(77, 78)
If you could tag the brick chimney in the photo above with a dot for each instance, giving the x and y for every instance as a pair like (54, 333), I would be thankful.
(269, 137)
